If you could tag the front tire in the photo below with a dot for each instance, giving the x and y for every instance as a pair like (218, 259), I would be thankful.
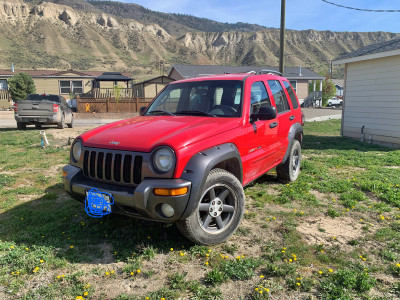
(219, 211)
(71, 125)
(289, 171)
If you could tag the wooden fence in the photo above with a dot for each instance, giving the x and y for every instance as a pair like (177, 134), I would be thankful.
(110, 93)
(4, 95)
(104, 105)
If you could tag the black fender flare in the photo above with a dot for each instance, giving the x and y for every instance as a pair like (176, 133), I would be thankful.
(295, 133)
(200, 165)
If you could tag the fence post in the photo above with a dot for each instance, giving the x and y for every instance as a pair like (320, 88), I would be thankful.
(107, 104)
(137, 104)
(77, 103)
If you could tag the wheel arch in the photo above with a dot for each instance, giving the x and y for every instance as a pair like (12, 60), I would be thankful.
(295, 133)
(225, 156)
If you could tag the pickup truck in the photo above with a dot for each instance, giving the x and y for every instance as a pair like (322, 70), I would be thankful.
(43, 109)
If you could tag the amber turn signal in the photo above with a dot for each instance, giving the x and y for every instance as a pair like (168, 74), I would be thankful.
(65, 173)
(170, 192)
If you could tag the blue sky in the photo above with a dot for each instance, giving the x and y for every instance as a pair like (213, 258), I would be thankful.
(300, 14)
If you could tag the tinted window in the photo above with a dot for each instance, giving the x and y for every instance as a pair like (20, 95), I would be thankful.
(292, 96)
(259, 97)
(37, 97)
(281, 101)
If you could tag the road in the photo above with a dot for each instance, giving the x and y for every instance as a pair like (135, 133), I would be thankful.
(311, 114)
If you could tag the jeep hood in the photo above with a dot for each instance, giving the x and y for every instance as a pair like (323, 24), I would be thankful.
(145, 133)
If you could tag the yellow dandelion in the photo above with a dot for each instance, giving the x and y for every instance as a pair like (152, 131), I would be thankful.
(242, 256)
(302, 212)
(320, 272)
(11, 247)
(112, 272)
(79, 298)
(283, 251)
(72, 247)
(330, 270)
(256, 289)
(237, 257)
(41, 261)
(290, 260)
(138, 271)
(209, 250)
(85, 294)
(162, 299)
(63, 275)
(398, 265)
(58, 277)
(261, 276)
(273, 218)
(27, 249)
(298, 283)
(107, 273)
(207, 255)
(260, 292)
(181, 253)
(267, 290)
(267, 219)
(132, 273)
(172, 249)
(206, 263)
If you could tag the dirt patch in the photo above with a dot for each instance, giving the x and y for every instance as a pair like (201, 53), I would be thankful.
(328, 231)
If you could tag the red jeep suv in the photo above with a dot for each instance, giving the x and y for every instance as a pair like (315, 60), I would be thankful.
(189, 154)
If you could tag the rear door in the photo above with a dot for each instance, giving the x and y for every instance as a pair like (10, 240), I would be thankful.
(285, 116)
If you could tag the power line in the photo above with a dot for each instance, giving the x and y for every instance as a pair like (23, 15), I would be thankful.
(362, 9)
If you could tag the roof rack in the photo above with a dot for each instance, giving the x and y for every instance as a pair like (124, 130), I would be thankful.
(251, 72)
(272, 72)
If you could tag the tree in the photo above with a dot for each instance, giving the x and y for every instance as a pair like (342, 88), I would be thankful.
(328, 90)
(20, 86)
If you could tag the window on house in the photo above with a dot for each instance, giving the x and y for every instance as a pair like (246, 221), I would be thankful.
(68, 86)
(294, 85)
(3, 84)
(281, 101)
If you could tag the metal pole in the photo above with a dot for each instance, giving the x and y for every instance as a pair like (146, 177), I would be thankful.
(282, 38)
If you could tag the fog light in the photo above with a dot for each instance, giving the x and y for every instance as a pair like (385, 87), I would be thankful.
(167, 210)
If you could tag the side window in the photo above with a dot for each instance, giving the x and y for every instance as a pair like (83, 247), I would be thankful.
(292, 96)
(281, 101)
(259, 97)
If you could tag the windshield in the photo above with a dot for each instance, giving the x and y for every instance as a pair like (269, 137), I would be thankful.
(38, 97)
(219, 98)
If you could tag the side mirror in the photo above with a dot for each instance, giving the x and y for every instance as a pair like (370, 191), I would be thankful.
(264, 114)
(142, 110)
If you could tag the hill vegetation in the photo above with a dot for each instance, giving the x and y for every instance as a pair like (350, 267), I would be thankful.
(113, 36)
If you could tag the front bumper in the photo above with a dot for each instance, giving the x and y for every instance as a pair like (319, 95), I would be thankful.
(138, 202)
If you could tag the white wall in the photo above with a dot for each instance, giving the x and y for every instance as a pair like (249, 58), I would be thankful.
(372, 99)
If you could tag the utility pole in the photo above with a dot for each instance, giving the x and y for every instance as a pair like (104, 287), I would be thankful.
(282, 38)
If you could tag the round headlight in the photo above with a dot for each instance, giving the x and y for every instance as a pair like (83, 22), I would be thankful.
(164, 159)
(76, 151)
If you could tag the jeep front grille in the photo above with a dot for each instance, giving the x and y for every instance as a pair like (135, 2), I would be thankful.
(112, 166)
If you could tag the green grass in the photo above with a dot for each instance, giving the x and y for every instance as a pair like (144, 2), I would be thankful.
(47, 241)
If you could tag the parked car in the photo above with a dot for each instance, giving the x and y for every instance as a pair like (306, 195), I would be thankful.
(335, 102)
(188, 156)
(43, 109)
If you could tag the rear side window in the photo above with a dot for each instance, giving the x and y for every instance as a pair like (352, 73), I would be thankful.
(292, 96)
(281, 101)
(259, 97)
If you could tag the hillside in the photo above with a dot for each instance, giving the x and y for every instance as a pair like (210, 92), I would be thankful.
(83, 35)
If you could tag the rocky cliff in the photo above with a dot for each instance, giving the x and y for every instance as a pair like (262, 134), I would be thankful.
(84, 36)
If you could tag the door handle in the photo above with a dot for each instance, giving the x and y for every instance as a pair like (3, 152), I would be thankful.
(273, 125)
(291, 118)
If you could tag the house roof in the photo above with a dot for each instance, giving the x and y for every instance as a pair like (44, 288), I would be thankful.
(54, 73)
(190, 71)
(162, 77)
(377, 50)
(112, 76)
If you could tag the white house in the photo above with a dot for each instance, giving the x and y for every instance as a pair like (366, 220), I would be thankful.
(372, 93)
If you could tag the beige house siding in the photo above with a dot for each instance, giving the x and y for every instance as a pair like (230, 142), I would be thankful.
(175, 75)
(302, 89)
(372, 99)
(52, 85)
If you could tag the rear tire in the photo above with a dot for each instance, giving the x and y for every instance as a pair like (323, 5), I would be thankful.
(61, 124)
(21, 126)
(219, 210)
(71, 125)
(289, 171)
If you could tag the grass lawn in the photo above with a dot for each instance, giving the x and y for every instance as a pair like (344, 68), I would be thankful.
(333, 234)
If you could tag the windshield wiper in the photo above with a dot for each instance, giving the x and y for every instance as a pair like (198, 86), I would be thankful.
(160, 112)
(194, 112)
